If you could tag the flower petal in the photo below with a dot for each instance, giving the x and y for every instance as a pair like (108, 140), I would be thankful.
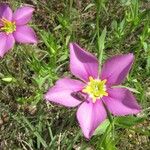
(62, 92)
(23, 15)
(116, 68)
(120, 102)
(6, 43)
(5, 12)
(82, 63)
(25, 34)
(89, 116)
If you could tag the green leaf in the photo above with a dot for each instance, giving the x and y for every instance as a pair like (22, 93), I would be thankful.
(130, 89)
(7, 79)
(128, 121)
(102, 127)
(148, 63)
(89, 6)
(101, 46)
(102, 39)
(109, 143)
(40, 139)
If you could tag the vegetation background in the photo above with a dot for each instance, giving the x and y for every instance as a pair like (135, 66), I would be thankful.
(27, 122)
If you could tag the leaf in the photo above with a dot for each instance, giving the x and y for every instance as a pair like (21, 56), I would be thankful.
(128, 121)
(7, 79)
(62, 58)
(89, 6)
(102, 127)
(102, 39)
(108, 141)
(101, 46)
(41, 140)
(130, 89)
(148, 63)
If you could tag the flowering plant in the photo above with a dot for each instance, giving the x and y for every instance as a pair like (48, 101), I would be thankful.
(13, 27)
(93, 90)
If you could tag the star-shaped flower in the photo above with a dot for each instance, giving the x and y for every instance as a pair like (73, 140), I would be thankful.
(95, 90)
(13, 27)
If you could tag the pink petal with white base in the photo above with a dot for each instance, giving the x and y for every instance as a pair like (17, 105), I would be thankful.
(25, 34)
(6, 43)
(120, 102)
(23, 15)
(89, 116)
(5, 12)
(82, 63)
(116, 68)
(62, 92)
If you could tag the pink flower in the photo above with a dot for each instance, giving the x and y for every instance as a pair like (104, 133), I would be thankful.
(13, 27)
(91, 91)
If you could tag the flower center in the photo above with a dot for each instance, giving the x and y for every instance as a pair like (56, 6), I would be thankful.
(96, 89)
(7, 26)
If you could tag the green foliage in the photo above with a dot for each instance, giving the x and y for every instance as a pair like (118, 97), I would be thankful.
(128, 121)
(102, 128)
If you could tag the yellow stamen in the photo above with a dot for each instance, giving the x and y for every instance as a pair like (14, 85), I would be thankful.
(96, 89)
(7, 26)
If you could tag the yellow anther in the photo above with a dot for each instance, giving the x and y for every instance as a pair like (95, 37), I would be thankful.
(7, 26)
(95, 88)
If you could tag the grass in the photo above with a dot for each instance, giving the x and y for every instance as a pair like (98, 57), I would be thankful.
(103, 27)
